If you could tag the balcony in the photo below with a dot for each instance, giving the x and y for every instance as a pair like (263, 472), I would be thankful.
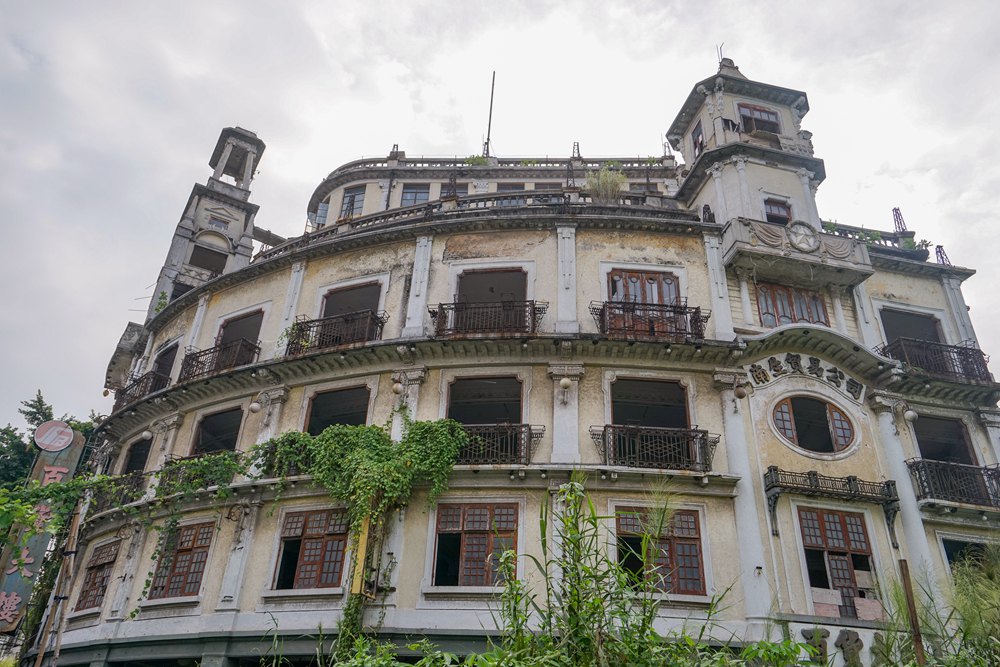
(139, 387)
(649, 321)
(503, 318)
(499, 444)
(795, 254)
(327, 332)
(655, 447)
(956, 363)
(183, 474)
(126, 489)
(216, 359)
(956, 482)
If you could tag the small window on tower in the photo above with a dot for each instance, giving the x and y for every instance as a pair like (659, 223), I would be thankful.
(210, 260)
(777, 211)
(759, 119)
(698, 139)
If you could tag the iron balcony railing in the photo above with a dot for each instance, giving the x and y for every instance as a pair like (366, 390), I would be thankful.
(956, 482)
(199, 363)
(627, 319)
(175, 475)
(958, 363)
(357, 327)
(124, 489)
(813, 484)
(503, 444)
(501, 318)
(655, 447)
(144, 385)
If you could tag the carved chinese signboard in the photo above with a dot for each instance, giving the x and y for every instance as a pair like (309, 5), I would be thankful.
(59, 450)
(777, 366)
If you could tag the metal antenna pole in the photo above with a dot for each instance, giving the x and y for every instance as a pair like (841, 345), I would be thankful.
(489, 123)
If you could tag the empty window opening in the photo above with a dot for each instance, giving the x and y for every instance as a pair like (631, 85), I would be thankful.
(210, 260)
(179, 290)
(138, 454)
(344, 406)
(901, 324)
(312, 549)
(164, 362)
(352, 299)
(353, 203)
(492, 286)
(813, 424)
(415, 193)
(943, 440)
(218, 432)
(777, 212)
(958, 551)
(758, 119)
(650, 403)
(244, 327)
(470, 539)
(485, 401)
(698, 139)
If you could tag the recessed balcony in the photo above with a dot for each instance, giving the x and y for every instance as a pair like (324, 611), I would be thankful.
(202, 363)
(649, 321)
(125, 489)
(141, 386)
(956, 482)
(956, 363)
(655, 447)
(328, 332)
(500, 318)
(499, 444)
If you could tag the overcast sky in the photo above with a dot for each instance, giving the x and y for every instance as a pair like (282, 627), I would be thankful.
(109, 113)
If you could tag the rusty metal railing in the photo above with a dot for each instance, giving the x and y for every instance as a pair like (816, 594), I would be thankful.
(511, 444)
(955, 482)
(139, 387)
(655, 447)
(502, 318)
(958, 363)
(627, 319)
(201, 363)
(312, 335)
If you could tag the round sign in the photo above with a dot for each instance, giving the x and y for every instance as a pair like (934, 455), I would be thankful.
(53, 436)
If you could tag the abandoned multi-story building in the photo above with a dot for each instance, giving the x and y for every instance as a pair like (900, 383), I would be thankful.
(813, 392)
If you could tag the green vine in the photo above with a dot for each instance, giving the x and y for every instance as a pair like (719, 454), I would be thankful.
(161, 302)
(476, 161)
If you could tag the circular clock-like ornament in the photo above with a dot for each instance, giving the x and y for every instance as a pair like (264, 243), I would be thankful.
(803, 237)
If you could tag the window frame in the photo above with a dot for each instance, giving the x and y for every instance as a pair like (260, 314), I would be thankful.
(356, 209)
(698, 139)
(413, 188)
(752, 108)
(171, 541)
(489, 533)
(371, 382)
(671, 589)
(97, 590)
(324, 537)
(612, 376)
(311, 398)
(833, 412)
(210, 412)
(792, 294)
(775, 202)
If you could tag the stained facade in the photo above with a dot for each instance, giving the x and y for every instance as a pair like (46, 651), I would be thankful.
(813, 392)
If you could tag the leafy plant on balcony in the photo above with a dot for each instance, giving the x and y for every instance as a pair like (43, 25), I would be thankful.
(186, 478)
(295, 337)
(606, 185)
(161, 302)
(476, 161)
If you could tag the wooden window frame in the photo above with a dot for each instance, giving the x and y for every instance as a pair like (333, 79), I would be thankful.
(778, 208)
(97, 576)
(757, 114)
(783, 418)
(181, 565)
(838, 546)
(664, 548)
(669, 285)
(803, 305)
(329, 529)
(484, 539)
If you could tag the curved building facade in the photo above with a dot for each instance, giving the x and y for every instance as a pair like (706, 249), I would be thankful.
(812, 393)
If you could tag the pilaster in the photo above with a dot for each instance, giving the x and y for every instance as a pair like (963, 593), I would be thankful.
(292, 294)
(990, 421)
(416, 306)
(722, 313)
(406, 385)
(199, 320)
(721, 210)
(836, 296)
(743, 275)
(956, 302)
(134, 533)
(566, 412)
(809, 196)
(866, 318)
(740, 162)
(567, 320)
(244, 514)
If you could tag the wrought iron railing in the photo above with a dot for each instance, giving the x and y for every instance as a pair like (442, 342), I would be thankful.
(199, 363)
(123, 490)
(357, 327)
(143, 385)
(956, 482)
(505, 444)
(176, 475)
(502, 318)
(627, 319)
(959, 363)
(655, 447)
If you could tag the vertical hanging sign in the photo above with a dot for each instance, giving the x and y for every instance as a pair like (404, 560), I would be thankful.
(59, 451)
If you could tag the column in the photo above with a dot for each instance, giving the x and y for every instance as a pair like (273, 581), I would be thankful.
(416, 306)
(953, 294)
(757, 596)
(886, 406)
(743, 275)
(223, 160)
(291, 304)
(722, 314)
(866, 318)
(199, 319)
(244, 514)
(721, 210)
(566, 412)
(990, 421)
(248, 169)
(740, 161)
(566, 315)
(409, 381)
(135, 533)
(836, 295)
(809, 197)
(383, 186)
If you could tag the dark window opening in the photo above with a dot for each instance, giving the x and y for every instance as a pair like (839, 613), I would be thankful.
(470, 539)
(164, 362)
(630, 558)
(210, 260)
(344, 406)
(672, 561)
(179, 290)
(816, 567)
(943, 440)
(649, 403)
(492, 286)
(354, 202)
(959, 551)
(813, 424)
(415, 193)
(312, 549)
(758, 119)
(138, 454)
(244, 327)
(218, 432)
(901, 324)
(777, 211)
(485, 401)
(698, 139)
(352, 299)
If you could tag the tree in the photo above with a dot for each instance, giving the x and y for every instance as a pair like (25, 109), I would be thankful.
(16, 456)
(36, 411)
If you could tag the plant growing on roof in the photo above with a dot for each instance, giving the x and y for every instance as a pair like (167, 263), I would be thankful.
(606, 185)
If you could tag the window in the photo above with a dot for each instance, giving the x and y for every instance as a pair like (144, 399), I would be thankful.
(777, 211)
(508, 188)
(902, 324)
(492, 286)
(957, 551)
(698, 139)
(470, 539)
(944, 440)
(352, 299)
(182, 562)
(495, 400)
(344, 406)
(461, 190)
(672, 559)
(179, 290)
(492, 301)
(98, 574)
(838, 559)
(138, 453)
(218, 223)
(653, 287)
(813, 424)
(779, 305)
(549, 186)
(218, 432)
(322, 211)
(312, 549)
(650, 403)
(353, 203)
(164, 365)
(415, 193)
(210, 260)
(244, 327)
(758, 119)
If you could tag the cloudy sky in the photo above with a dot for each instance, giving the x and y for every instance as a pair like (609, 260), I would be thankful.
(109, 113)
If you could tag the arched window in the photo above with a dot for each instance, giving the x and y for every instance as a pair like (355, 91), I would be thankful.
(813, 424)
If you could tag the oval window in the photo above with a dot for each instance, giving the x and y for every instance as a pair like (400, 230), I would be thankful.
(813, 424)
